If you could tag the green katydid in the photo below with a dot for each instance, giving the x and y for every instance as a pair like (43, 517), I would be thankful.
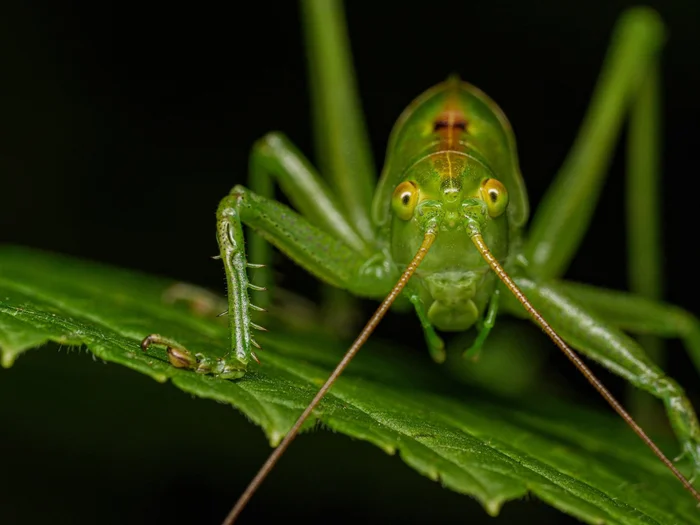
(444, 230)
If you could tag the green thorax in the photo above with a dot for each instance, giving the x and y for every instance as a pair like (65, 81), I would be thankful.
(447, 143)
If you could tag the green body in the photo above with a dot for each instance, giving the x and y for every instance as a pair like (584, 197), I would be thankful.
(447, 144)
(448, 162)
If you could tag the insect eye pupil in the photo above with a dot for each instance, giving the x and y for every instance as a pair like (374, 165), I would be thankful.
(493, 195)
(405, 198)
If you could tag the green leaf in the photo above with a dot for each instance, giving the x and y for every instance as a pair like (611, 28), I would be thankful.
(586, 464)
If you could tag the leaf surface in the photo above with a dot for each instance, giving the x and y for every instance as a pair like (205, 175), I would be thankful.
(586, 464)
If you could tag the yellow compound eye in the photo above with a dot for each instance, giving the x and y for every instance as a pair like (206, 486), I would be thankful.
(495, 195)
(404, 200)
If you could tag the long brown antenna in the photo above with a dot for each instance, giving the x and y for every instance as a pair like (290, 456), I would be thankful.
(361, 339)
(478, 241)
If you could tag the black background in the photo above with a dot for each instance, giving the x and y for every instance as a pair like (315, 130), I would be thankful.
(124, 124)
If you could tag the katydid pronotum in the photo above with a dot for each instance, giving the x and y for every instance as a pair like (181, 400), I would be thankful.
(444, 231)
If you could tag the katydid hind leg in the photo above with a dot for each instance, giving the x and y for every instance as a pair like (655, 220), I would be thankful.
(601, 343)
(643, 210)
(342, 143)
(629, 81)
(596, 338)
(640, 315)
(259, 251)
(565, 211)
(274, 158)
(342, 146)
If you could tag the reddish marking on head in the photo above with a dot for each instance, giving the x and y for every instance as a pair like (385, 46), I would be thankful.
(449, 123)
(441, 125)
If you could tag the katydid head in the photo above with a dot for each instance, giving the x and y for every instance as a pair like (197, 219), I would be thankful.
(449, 192)
(444, 190)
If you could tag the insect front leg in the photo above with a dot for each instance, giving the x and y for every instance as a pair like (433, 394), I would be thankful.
(436, 346)
(484, 326)
(232, 252)
(594, 336)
